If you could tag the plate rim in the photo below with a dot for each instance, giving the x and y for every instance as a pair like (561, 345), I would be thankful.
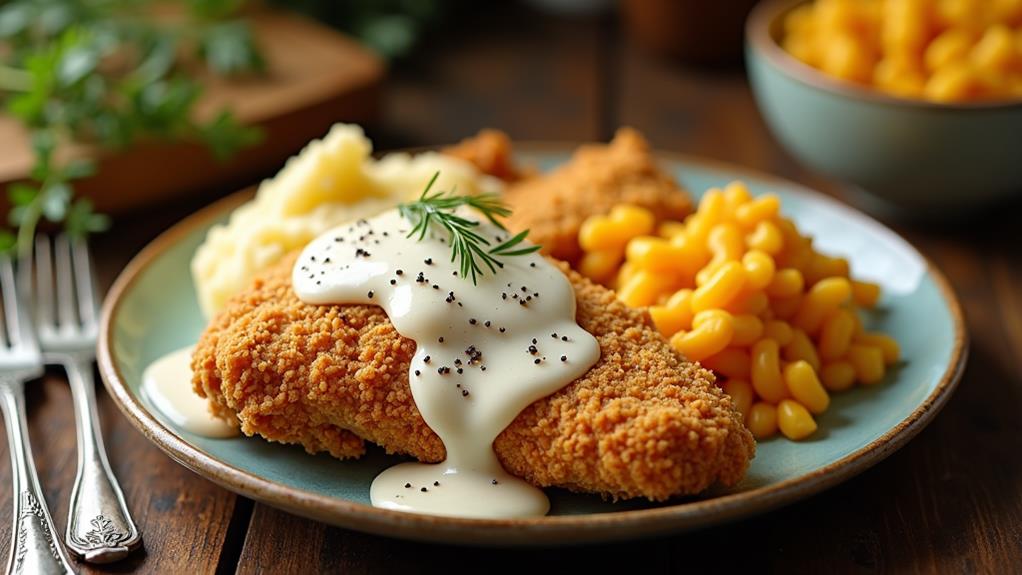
(628, 524)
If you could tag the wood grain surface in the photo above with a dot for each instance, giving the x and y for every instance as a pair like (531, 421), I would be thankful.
(949, 502)
(314, 76)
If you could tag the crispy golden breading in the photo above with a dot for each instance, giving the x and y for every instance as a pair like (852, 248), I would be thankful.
(490, 152)
(599, 176)
(641, 423)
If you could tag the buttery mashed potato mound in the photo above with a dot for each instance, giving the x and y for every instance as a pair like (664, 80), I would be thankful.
(329, 182)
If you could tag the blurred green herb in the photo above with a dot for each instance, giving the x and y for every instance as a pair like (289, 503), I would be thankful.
(109, 73)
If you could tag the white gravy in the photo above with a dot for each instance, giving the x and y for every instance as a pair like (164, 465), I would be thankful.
(167, 384)
(483, 352)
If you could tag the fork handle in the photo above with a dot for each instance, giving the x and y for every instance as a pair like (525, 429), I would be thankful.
(33, 549)
(99, 526)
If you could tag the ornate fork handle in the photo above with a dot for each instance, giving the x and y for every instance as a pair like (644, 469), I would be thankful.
(99, 526)
(33, 549)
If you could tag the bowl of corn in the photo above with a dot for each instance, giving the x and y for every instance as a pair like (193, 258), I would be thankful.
(737, 287)
(917, 102)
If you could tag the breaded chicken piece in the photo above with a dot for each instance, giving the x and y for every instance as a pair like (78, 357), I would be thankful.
(490, 152)
(553, 206)
(641, 423)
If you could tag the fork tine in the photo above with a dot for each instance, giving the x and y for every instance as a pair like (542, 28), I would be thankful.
(87, 304)
(65, 285)
(44, 280)
(19, 329)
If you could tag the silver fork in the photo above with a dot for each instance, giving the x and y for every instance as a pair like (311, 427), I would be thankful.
(33, 549)
(99, 526)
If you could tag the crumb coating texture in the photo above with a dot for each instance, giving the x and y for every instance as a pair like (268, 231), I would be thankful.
(553, 206)
(641, 423)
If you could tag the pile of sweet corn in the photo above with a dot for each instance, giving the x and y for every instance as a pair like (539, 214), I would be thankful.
(739, 289)
(940, 50)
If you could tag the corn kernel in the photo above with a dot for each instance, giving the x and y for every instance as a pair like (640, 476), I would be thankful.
(865, 294)
(766, 371)
(758, 210)
(751, 303)
(748, 330)
(637, 221)
(599, 266)
(657, 254)
(837, 375)
(765, 237)
(725, 284)
(643, 288)
(786, 308)
(836, 335)
(954, 83)
(762, 420)
(668, 230)
(669, 320)
(845, 58)
(794, 420)
(726, 242)
(821, 266)
(951, 46)
(741, 393)
(995, 51)
(805, 387)
(735, 194)
(821, 301)
(731, 362)
(868, 362)
(598, 233)
(888, 345)
(801, 348)
(759, 269)
(785, 283)
(712, 207)
(701, 342)
(779, 331)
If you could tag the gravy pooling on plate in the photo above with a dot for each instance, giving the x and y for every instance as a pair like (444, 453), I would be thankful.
(165, 385)
(484, 351)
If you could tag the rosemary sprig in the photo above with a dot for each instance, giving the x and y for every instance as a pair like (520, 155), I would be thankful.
(468, 247)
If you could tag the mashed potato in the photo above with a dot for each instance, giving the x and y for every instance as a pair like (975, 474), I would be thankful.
(331, 181)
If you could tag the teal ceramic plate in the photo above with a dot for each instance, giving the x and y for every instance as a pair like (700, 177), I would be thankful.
(152, 309)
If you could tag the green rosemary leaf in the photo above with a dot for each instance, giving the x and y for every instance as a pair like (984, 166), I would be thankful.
(468, 247)
(7, 240)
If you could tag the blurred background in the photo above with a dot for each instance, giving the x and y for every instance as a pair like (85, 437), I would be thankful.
(151, 110)
(413, 72)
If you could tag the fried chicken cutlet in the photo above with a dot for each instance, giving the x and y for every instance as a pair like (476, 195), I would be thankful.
(642, 422)
(552, 206)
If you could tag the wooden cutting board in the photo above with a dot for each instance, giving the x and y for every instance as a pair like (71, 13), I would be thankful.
(315, 76)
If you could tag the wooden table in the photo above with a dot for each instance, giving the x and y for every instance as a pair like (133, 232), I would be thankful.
(951, 501)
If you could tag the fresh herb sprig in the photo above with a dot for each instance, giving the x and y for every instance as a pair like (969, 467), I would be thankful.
(109, 74)
(468, 248)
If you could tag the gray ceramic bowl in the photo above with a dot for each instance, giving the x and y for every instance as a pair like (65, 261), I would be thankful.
(918, 155)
